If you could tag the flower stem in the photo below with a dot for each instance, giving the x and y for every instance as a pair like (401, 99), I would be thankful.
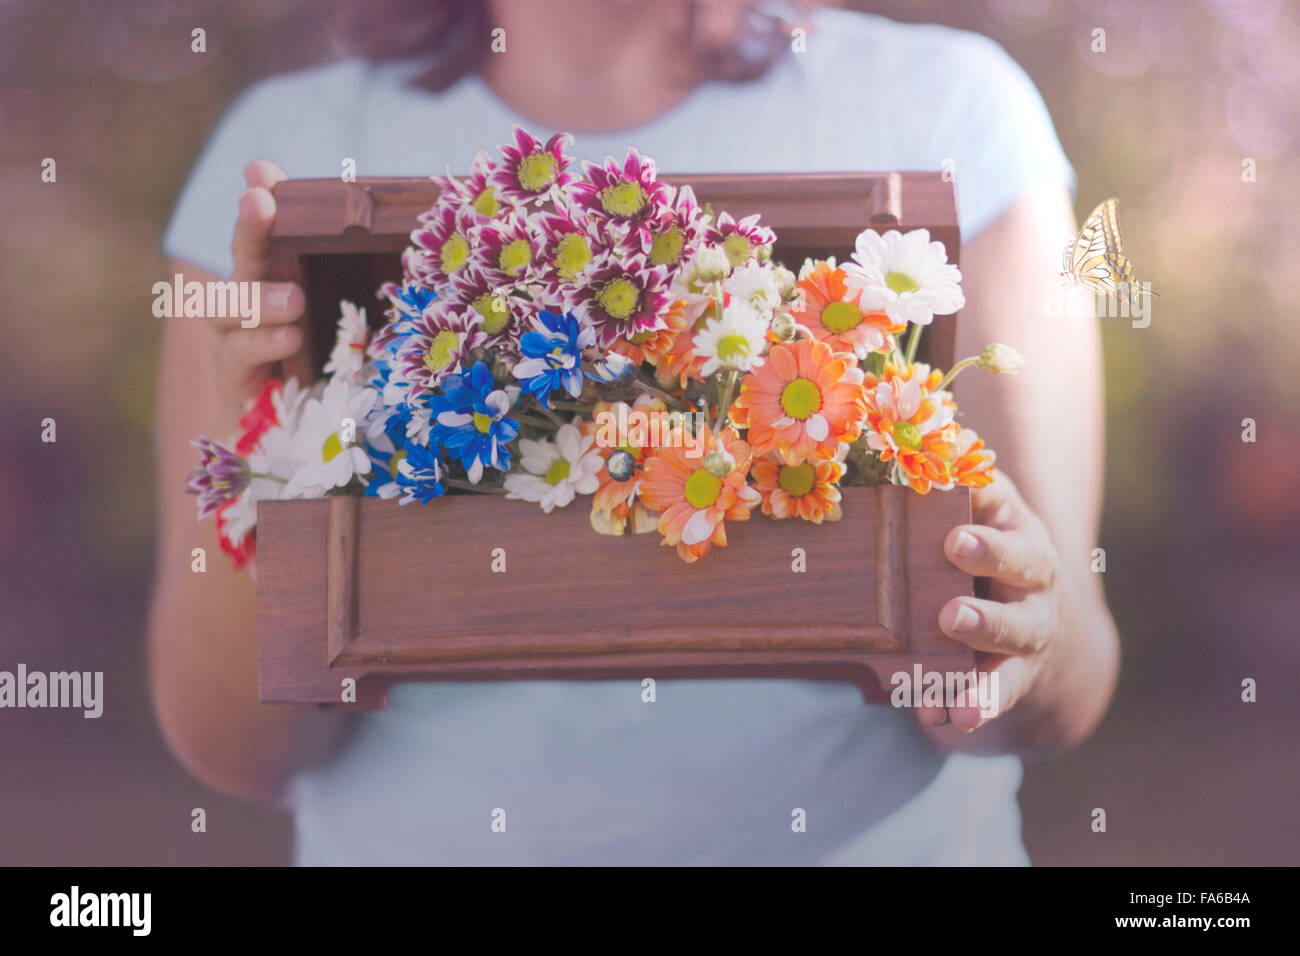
(655, 391)
(525, 419)
(550, 414)
(724, 405)
(258, 474)
(913, 342)
(952, 372)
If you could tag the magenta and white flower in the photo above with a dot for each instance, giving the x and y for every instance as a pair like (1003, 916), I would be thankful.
(905, 275)
(627, 193)
(508, 252)
(447, 236)
(741, 239)
(571, 242)
(477, 189)
(436, 346)
(671, 233)
(530, 171)
(504, 315)
(621, 298)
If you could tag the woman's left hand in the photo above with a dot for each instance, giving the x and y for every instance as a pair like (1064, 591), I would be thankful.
(1015, 629)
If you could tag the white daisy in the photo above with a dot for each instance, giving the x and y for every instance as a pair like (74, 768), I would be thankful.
(756, 283)
(736, 341)
(905, 275)
(326, 443)
(555, 471)
(349, 354)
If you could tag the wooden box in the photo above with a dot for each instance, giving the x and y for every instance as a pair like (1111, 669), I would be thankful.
(571, 603)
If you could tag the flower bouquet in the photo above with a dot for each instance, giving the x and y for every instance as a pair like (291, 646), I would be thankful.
(600, 337)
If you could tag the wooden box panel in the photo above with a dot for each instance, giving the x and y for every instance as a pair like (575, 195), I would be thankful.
(335, 603)
(335, 600)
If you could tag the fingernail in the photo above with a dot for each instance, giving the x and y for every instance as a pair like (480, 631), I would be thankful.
(278, 298)
(965, 619)
(965, 545)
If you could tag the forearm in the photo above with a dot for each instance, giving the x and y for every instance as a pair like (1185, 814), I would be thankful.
(203, 672)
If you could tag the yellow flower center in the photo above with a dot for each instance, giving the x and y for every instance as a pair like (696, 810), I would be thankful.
(623, 200)
(797, 480)
(482, 422)
(454, 253)
(558, 471)
(572, 253)
(737, 248)
(494, 312)
(702, 488)
(840, 317)
(537, 171)
(395, 461)
(332, 447)
(514, 256)
(619, 297)
(733, 347)
(442, 350)
(907, 435)
(801, 398)
(901, 282)
(666, 247)
(486, 203)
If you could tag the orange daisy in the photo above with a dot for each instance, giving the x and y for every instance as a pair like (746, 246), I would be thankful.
(634, 429)
(806, 399)
(830, 310)
(807, 490)
(974, 463)
(691, 500)
(677, 363)
(911, 422)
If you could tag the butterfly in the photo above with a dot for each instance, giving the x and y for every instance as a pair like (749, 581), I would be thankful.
(1096, 258)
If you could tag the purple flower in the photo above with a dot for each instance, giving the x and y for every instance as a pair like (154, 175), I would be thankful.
(529, 171)
(628, 193)
(220, 476)
(622, 298)
(740, 240)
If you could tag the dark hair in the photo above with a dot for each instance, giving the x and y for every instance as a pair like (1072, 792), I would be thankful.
(455, 35)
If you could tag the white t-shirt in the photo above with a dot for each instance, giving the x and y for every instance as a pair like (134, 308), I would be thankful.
(712, 771)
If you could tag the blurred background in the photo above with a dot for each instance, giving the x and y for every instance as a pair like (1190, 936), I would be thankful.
(1200, 529)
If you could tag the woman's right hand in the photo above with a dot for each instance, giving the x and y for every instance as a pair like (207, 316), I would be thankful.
(243, 357)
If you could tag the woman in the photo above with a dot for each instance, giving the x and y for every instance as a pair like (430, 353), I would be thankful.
(712, 771)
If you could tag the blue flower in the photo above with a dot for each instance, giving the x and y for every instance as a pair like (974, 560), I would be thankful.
(384, 460)
(419, 475)
(613, 369)
(553, 355)
(469, 420)
(413, 299)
